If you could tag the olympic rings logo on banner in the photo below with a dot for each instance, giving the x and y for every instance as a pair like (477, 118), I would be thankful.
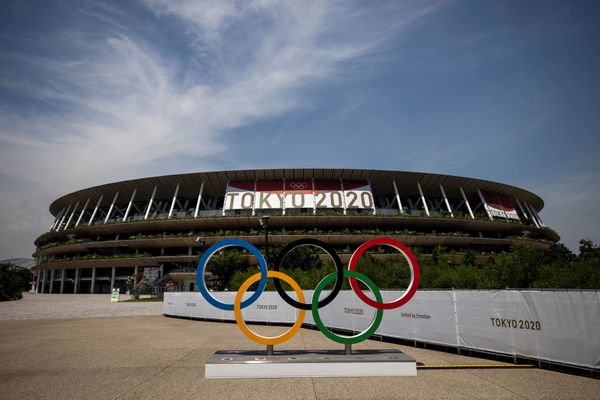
(315, 304)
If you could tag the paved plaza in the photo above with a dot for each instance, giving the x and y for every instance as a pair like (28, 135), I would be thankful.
(67, 306)
(112, 353)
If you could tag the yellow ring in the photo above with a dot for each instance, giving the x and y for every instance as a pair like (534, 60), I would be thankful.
(240, 319)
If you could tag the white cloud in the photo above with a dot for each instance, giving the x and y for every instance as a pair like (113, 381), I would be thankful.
(120, 108)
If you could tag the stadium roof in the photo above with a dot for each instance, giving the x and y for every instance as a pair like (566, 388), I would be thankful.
(215, 184)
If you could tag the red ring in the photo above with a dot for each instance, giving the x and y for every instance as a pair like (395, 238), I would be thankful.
(414, 266)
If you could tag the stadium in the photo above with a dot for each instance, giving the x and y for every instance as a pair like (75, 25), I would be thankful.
(160, 226)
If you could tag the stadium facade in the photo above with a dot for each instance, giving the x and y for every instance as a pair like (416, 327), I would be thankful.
(153, 226)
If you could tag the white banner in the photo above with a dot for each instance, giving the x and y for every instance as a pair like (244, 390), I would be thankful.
(299, 194)
(562, 326)
(499, 205)
(266, 195)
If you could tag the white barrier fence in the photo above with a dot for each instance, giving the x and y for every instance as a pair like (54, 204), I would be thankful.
(561, 326)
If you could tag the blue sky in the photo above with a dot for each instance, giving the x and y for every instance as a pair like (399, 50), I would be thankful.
(93, 92)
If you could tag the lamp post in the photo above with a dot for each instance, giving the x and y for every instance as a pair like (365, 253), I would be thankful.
(264, 223)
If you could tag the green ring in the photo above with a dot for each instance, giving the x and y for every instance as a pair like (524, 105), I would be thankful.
(346, 339)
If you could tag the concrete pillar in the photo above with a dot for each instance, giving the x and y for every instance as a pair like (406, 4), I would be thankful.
(113, 277)
(44, 280)
(162, 270)
(76, 282)
(93, 281)
(51, 281)
(423, 200)
(62, 280)
(485, 206)
(38, 282)
(34, 281)
(464, 196)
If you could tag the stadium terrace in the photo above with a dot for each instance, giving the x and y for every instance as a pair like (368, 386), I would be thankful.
(161, 225)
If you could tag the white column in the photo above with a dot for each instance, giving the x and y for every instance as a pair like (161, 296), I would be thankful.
(71, 216)
(462, 192)
(162, 270)
(343, 196)
(96, 209)
(62, 280)
(63, 218)
(34, 280)
(129, 205)
(485, 207)
(44, 280)
(534, 211)
(112, 205)
(314, 197)
(174, 200)
(423, 199)
(521, 208)
(51, 281)
(197, 209)
(225, 199)
(113, 277)
(398, 198)
(254, 198)
(58, 217)
(76, 282)
(446, 201)
(38, 282)
(82, 211)
(528, 207)
(93, 281)
(372, 197)
(284, 196)
(150, 203)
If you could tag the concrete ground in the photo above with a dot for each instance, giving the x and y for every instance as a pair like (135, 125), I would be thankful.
(63, 306)
(142, 357)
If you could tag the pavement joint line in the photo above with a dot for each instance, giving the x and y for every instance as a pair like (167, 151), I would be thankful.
(161, 370)
(495, 384)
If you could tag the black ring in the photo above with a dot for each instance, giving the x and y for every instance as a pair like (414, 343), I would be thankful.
(338, 266)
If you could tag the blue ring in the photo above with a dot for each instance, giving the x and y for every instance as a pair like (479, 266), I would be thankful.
(262, 283)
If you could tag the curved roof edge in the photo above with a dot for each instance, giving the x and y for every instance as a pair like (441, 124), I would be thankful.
(216, 181)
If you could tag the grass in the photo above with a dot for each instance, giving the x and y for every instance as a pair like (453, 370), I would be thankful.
(144, 300)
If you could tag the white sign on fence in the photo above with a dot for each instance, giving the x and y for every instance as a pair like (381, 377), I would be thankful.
(561, 326)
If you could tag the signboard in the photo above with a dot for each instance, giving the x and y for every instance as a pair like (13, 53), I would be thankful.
(114, 298)
(267, 195)
(500, 205)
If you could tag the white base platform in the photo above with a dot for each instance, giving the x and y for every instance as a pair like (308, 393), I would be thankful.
(310, 364)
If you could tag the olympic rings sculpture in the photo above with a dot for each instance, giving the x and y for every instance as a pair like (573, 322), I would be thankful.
(314, 305)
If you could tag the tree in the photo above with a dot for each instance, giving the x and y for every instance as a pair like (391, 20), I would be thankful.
(13, 281)
(224, 265)
(304, 258)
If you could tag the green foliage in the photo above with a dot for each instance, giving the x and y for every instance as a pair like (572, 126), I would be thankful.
(225, 264)
(13, 282)
(303, 257)
(138, 286)
(523, 266)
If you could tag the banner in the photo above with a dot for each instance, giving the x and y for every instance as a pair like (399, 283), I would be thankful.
(500, 205)
(299, 194)
(555, 326)
(267, 195)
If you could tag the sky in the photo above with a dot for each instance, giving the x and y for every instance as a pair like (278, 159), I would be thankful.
(93, 92)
